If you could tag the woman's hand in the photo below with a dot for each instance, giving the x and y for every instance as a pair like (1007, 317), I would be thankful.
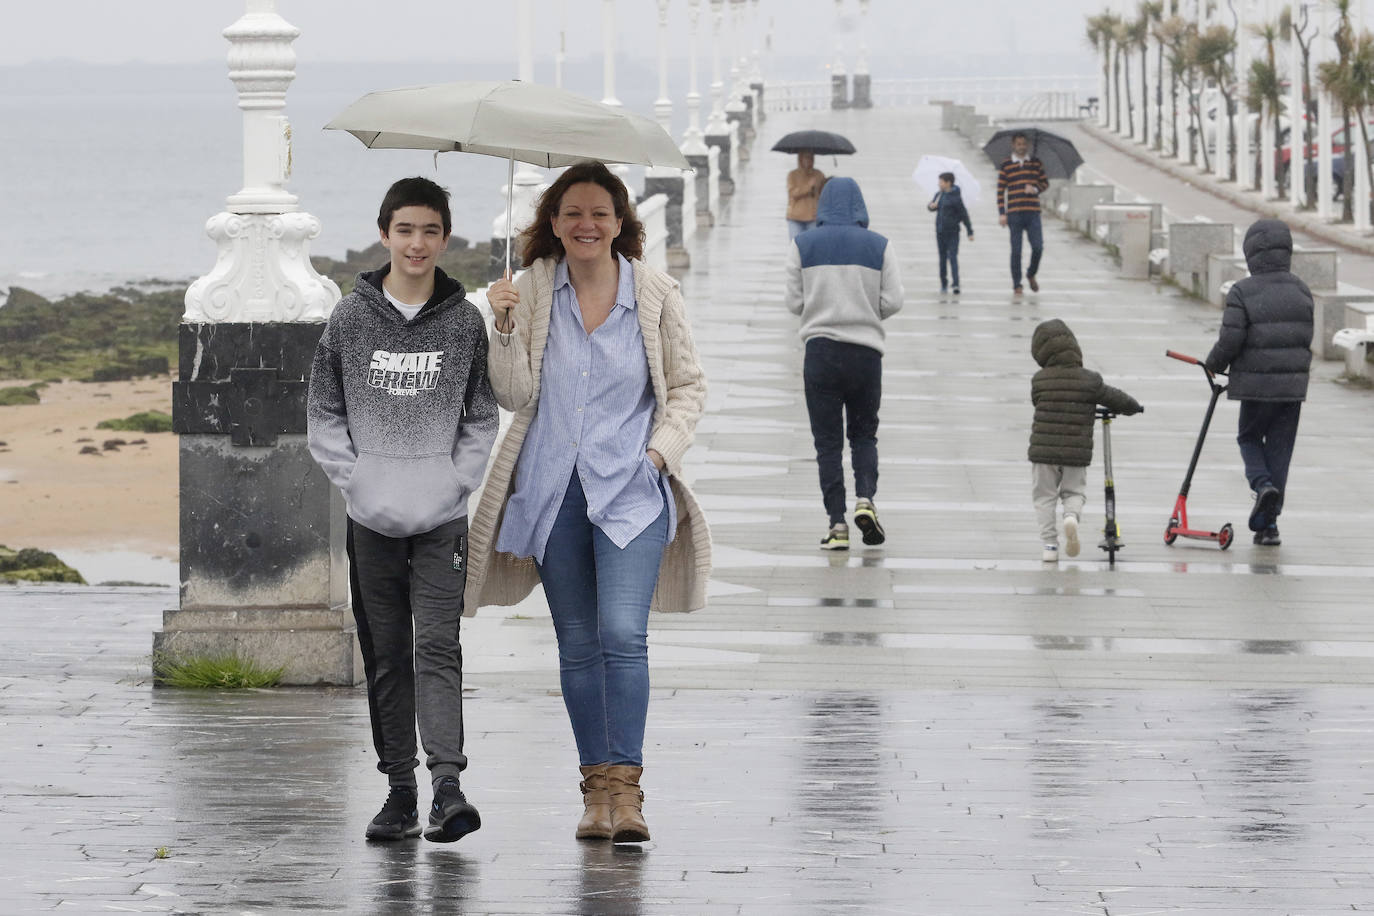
(502, 298)
(656, 458)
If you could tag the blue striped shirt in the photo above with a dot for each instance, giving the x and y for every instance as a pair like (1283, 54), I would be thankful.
(596, 411)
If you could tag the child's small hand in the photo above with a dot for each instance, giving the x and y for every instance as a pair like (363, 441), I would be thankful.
(932, 206)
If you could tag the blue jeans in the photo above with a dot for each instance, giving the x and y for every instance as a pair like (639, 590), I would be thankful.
(844, 388)
(1267, 431)
(599, 596)
(796, 227)
(1029, 223)
(947, 245)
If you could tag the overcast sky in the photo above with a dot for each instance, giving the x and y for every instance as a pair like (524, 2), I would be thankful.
(912, 32)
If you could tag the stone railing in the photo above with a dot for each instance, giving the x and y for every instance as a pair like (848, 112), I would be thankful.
(653, 213)
(809, 95)
(986, 90)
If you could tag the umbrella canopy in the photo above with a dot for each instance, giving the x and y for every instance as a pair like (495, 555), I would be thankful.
(512, 120)
(1058, 155)
(820, 142)
(929, 169)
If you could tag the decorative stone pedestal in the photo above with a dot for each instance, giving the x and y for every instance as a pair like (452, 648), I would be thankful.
(839, 90)
(863, 97)
(673, 188)
(726, 184)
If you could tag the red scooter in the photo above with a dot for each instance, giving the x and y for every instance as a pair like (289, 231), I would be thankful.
(1178, 522)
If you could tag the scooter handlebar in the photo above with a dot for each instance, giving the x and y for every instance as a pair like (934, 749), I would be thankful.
(1183, 357)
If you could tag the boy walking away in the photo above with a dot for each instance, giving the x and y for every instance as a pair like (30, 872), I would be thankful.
(1065, 396)
(1020, 181)
(1266, 341)
(843, 280)
(402, 419)
(948, 204)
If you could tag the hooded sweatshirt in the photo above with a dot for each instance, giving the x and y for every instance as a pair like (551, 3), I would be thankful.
(1066, 396)
(950, 212)
(1266, 327)
(842, 278)
(401, 416)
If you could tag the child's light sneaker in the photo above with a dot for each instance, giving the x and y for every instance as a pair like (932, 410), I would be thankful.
(1071, 544)
(1050, 553)
(837, 538)
(866, 518)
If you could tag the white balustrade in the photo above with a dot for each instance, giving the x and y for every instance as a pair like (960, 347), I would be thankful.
(653, 213)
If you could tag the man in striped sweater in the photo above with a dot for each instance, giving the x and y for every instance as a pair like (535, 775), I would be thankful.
(1020, 180)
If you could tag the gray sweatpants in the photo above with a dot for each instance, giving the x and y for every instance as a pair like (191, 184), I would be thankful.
(1049, 484)
(408, 600)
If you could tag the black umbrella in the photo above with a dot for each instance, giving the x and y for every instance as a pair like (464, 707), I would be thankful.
(820, 142)
(1058, 155)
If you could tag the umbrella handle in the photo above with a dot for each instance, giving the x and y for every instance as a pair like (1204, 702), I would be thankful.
(510, 203)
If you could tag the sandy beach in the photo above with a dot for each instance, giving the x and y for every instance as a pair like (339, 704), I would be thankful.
(111, 515)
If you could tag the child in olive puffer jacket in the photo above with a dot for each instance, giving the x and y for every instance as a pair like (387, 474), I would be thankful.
(1065, 396)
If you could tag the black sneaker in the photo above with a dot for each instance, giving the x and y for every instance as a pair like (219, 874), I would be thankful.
(1266, 508)
(399, 817)
(450, 817)
(866, 518)
(956, 290)
(1269, 537)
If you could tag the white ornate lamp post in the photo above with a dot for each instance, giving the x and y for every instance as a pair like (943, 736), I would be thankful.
(717, 129)
(525, 184)
(839, 80)
(863, 96)
(736, 110)
(680, 213)
(261, 528)
(693, 141)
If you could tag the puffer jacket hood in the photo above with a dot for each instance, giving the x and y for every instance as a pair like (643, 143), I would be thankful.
(1053, 344)
(842, 204)
(1268, 246)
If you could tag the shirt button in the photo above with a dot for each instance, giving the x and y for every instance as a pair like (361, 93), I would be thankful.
(584, 375)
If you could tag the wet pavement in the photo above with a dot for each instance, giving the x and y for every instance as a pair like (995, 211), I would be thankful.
(941, 726)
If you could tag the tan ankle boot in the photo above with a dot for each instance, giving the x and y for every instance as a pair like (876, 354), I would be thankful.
(627, 818)
(596, 819)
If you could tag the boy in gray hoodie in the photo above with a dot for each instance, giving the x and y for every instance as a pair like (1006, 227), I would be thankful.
(402, 418)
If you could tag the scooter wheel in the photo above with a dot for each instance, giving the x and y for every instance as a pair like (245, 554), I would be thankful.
(1226, 535)
(1170, 535)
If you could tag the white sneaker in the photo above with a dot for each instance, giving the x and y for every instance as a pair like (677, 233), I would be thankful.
(1071, 536)
(1050, 554)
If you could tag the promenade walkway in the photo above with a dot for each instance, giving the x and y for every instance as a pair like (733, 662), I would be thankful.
(940, 726)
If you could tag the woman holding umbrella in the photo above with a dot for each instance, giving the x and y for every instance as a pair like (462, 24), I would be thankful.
(804, 185)
(593, 352)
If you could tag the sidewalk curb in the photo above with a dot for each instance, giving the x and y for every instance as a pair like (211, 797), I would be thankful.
(1247, 200)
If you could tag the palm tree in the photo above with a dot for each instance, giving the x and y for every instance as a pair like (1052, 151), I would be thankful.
(1122, 36)
(1099, 30)
(1263, 84)
(1349, 86)
(1211, 54)
(1152, 11)
(1138, 33)
(1172, 34)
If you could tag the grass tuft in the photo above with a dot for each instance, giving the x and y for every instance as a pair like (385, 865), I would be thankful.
(214, 672)
(150, 421)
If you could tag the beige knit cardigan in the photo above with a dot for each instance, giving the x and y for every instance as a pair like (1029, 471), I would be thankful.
(680, 394)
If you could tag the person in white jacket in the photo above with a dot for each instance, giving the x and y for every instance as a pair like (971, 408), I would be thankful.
(842, 279)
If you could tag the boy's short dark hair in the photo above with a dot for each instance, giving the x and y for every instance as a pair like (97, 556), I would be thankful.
(414, 192)
(947, 176)
(1020, 135)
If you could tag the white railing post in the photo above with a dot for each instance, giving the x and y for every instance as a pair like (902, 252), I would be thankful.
(717, 130)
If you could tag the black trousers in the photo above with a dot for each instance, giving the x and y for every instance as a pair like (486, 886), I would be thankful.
(408, 601)
(844, 387)
(947, 244)
(1266, 434)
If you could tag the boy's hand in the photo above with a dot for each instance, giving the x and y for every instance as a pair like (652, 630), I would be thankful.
(932, 206)
(656, 458)
(502, 297)
(1002, 220)
(970, 236)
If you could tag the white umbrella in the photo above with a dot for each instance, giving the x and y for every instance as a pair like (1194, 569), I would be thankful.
(929, 169)
(513, 120)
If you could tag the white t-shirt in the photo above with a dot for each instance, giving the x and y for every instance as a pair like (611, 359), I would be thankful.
(407, 311)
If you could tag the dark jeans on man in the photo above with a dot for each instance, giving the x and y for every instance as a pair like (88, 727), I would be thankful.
(844, 386)
(1029, 223)
(1267, 431)
(408, 600)
(948, 245)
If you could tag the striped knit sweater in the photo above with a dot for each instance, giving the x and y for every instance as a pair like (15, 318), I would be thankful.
(1012, 178)
(680, 394)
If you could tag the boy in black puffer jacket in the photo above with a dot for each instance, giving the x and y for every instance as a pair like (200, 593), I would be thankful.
(1065, 396)
(1266, 341)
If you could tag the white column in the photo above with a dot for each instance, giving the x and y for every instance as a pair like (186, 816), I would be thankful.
(715, 125)
(735, 89)
(608, 53)
(1325, 122)
(526, 183)
(838, 69)
(1244, 167)
(692, 144)
(861, 61)
(1297, 120)
(263, 270)
(1267, 151)
(663, 106)
(756, 66)
(561, 55)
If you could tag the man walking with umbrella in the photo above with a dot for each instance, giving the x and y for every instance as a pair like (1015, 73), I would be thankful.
(1020, 180)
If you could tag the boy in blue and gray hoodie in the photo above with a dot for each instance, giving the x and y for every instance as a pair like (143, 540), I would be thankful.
(402, 418)
(843, 280)
(948, 204)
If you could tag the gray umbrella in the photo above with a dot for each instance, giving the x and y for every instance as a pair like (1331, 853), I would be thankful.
(512, 120)
(820, 142)
(1057, 154)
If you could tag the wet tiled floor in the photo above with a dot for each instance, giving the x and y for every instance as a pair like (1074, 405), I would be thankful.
(941, 726)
